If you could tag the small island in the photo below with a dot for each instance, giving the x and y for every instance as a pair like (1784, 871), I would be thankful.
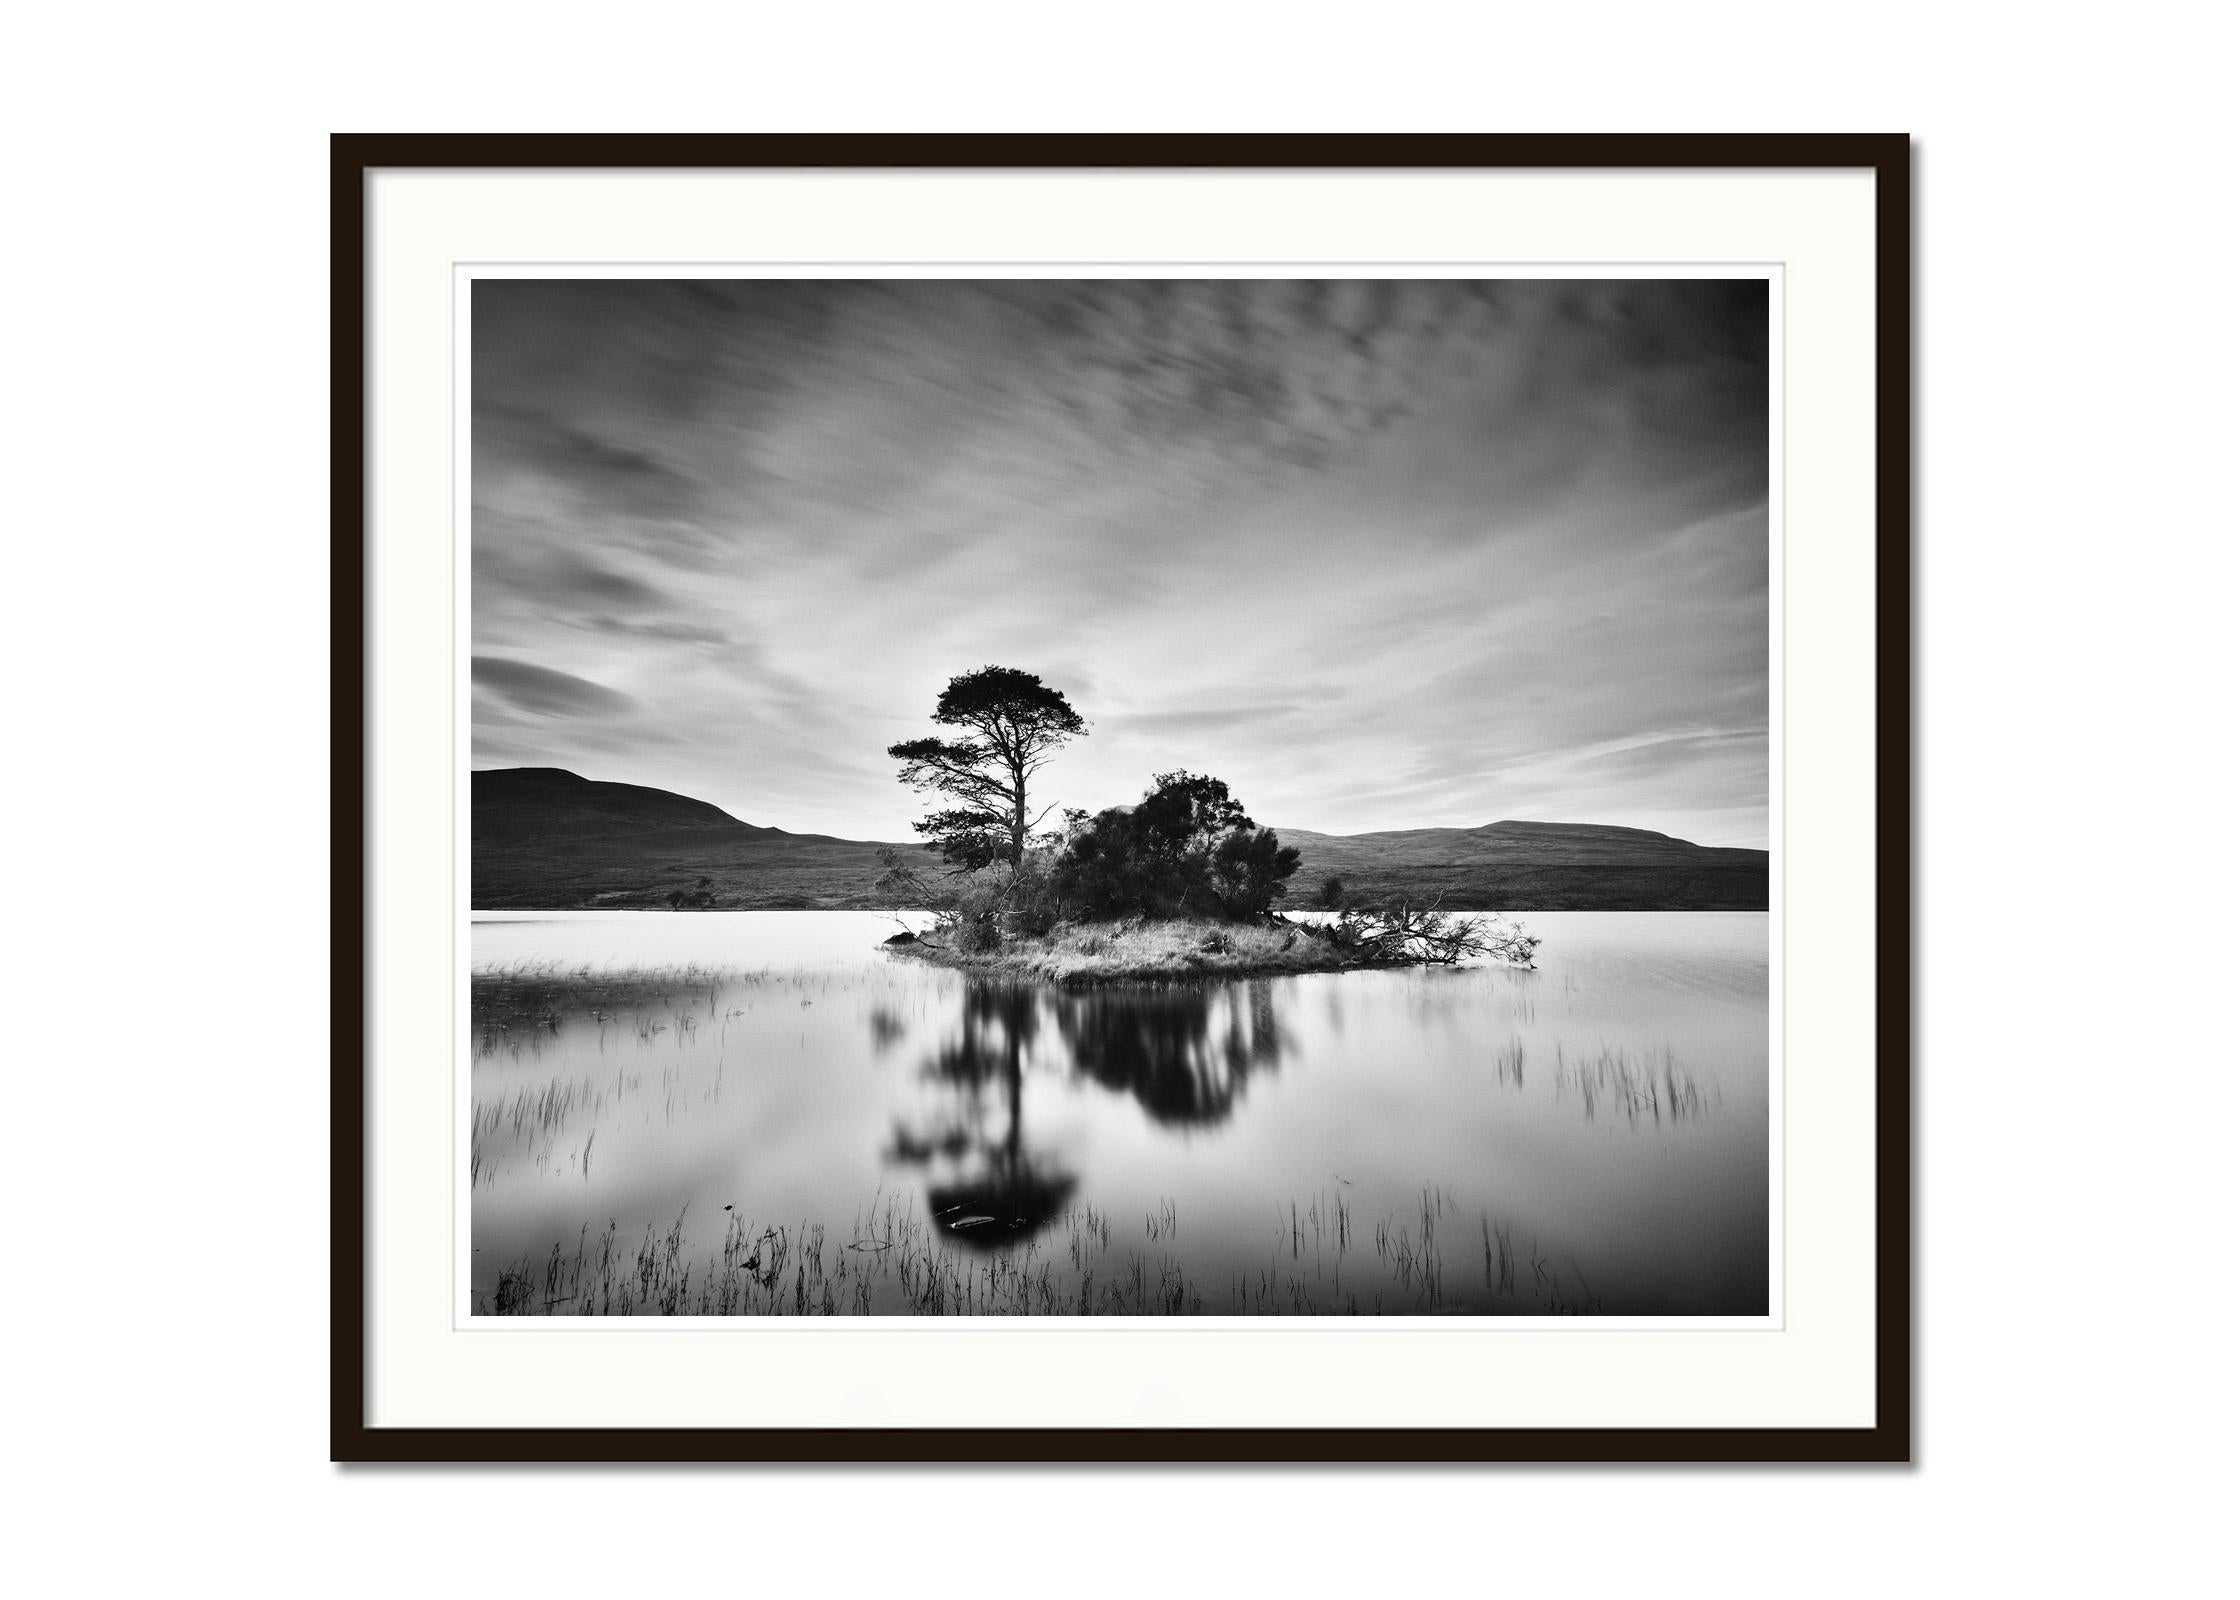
(1183, 884)
(1159, 950)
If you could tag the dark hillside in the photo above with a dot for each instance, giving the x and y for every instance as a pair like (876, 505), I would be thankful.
(546, 839)
(1535, 866)
(538, 802)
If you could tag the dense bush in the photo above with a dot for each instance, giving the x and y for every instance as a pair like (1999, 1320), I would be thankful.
(1187, 849)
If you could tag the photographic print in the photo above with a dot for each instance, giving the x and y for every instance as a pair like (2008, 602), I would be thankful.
(1143, 797)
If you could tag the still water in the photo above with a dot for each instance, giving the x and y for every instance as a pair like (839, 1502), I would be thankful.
(765, 1112)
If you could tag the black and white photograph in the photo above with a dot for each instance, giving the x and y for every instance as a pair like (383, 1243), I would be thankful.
(1222, 798)
(1151, 796)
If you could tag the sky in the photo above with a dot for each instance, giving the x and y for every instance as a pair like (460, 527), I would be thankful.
(1379, 553)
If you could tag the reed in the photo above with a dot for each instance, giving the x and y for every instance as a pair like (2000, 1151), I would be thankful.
(1649, 1086)
(897, 1261)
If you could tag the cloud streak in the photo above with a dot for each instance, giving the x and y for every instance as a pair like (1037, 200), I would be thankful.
(542, 691)
(1381, 553)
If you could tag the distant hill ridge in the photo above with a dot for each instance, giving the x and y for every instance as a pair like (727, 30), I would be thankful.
(547, 838)
(510, 801)
(1523, 830)
(1544, 866)
(1577, 843)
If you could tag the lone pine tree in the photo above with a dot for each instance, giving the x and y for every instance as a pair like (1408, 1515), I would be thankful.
(1013, 723)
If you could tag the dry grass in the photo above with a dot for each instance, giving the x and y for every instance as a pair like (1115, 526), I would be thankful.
(1080, 954)
(898, 1261)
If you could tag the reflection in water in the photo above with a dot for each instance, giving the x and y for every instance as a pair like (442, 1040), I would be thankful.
(1184, 1054)
(708, 1115)
(993, 1191)
(1160, 1045)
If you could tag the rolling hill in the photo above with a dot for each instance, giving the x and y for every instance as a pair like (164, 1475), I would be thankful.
(546, 839)
(1535, 866)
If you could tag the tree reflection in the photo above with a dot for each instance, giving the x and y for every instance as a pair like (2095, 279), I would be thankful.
(993, 1191)
(1183, 1054)
(1164, 1047)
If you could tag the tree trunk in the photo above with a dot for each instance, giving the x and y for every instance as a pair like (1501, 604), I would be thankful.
(1015, 761)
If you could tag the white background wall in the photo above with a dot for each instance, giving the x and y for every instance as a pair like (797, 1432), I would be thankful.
(165, 316)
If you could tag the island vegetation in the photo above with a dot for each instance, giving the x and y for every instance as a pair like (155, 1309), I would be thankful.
(1181, 884)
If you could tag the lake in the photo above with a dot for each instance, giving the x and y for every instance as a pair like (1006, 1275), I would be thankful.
(752, 1113)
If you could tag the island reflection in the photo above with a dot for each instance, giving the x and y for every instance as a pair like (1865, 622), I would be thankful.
(1184, 1054)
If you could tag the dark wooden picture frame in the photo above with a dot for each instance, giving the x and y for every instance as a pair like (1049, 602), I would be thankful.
(355, 157)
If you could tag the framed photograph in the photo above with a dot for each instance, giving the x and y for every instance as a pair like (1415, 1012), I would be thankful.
(1150, 798)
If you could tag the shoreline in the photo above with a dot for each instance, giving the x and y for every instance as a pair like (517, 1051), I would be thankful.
(888, 911)
(1184, 950)
(1013, 969)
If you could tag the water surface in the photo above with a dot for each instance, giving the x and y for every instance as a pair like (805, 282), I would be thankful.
(758, 1112)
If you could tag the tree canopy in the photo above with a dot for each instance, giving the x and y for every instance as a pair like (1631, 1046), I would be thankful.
(1014, 722)
(1186, 849)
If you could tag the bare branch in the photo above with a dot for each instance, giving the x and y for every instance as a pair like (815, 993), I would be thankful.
(1401, 933)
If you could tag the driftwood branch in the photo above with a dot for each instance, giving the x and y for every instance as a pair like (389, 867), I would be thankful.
(1399, 932)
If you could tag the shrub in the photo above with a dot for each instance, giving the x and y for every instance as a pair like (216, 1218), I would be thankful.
(977, 932)
(1032, 904)
(981, 908)
(1186, 849)
(1246, 872)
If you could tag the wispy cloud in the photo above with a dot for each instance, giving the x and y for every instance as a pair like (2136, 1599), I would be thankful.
(1381, 553)
(544, 691)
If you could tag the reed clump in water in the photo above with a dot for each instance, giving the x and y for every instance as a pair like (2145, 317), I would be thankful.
(1649, 1086)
